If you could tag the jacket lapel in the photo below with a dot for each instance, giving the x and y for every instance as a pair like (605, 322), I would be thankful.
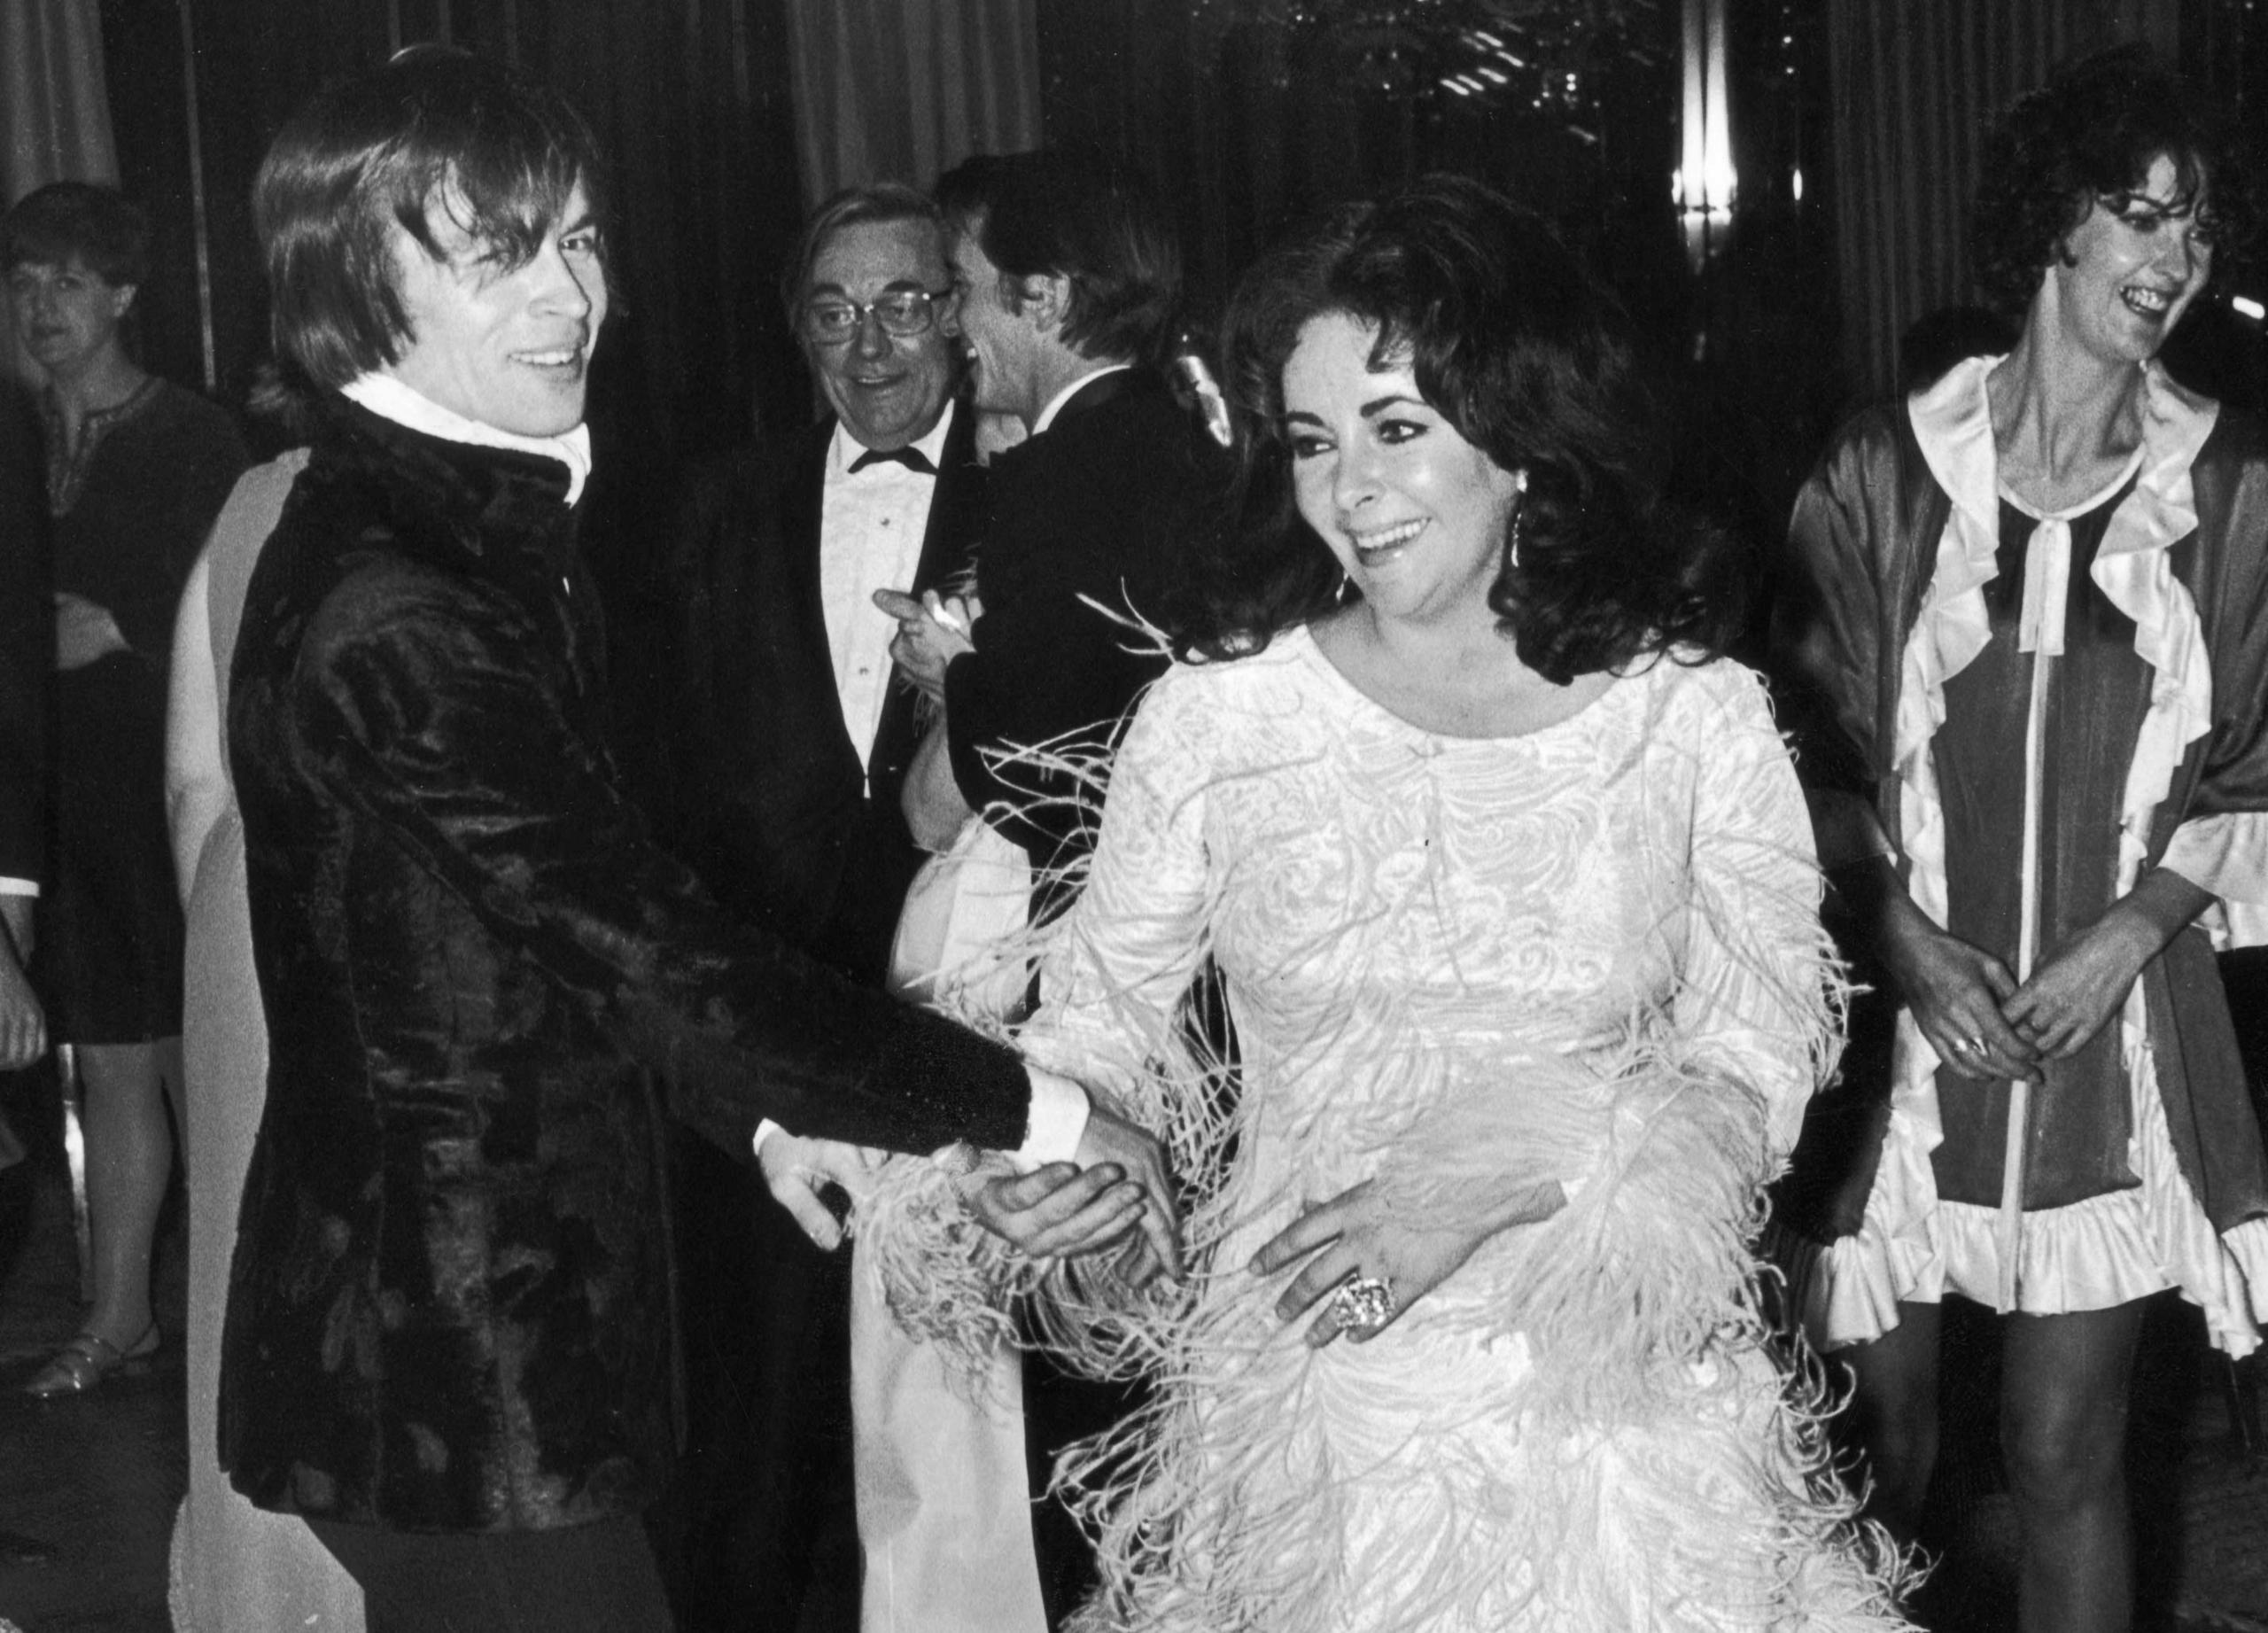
(956, 508)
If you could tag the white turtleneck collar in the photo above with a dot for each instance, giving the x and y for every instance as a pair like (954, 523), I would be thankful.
(386, 395)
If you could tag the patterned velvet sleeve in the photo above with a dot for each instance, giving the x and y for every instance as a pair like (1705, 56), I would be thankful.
(415, 698)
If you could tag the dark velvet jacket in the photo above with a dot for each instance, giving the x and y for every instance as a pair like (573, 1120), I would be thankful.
(1097, 510)
(449, 1306)
(773, 806)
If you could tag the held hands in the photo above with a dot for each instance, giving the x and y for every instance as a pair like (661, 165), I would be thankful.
(798, 1171)
(932, 631)
(2071, 996)
(1118, 1187)
(1984, 1025)
(85, 632)
(1956, 992)
(1354, 1235)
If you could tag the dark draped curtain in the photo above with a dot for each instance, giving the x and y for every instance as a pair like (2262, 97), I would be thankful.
(54, 115)
(1253, 115)
(903, 90)
(1917, 85)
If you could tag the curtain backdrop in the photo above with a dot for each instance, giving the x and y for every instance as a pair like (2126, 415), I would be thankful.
(1917, 84)
(54, 113)
(898, 90)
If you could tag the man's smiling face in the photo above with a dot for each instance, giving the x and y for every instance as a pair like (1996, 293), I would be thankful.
(887, 389)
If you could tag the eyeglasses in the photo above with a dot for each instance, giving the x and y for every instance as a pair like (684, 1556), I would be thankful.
(904, 313)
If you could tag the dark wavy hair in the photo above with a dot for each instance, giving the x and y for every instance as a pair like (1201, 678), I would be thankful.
(1533, 363)
(97, 226)
(1068, 213)
(2089, 135)
(374, 152)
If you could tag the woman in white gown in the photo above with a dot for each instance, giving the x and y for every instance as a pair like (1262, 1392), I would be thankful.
(1511, 891)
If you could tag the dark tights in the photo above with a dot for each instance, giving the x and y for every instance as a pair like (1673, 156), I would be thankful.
(2064, 1387)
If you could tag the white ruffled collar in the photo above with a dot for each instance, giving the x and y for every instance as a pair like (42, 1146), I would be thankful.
(1952, 422)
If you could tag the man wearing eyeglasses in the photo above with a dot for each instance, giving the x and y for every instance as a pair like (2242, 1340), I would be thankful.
(792, 739)
(789, 808)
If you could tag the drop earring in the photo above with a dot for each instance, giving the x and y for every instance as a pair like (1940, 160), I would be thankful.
(1519, 511)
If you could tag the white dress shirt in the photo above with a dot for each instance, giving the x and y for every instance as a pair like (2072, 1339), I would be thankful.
(871, 526)
(870, 531)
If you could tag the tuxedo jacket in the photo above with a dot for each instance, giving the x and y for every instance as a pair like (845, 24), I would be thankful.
(1098, 508)
(773, 807)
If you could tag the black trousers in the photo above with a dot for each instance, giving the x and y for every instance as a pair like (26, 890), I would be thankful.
(760, 1530)
(590, 1579)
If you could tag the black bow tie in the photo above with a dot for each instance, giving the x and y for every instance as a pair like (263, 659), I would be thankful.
(909, 457)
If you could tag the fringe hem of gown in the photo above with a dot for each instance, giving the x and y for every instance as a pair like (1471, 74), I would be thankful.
(1632, 1457)
(1639, 1460)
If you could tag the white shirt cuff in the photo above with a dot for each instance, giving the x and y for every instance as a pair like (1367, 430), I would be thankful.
(1058, 1121)
(18, 887)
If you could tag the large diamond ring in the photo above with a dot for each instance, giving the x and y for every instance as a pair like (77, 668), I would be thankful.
(1363, 1303)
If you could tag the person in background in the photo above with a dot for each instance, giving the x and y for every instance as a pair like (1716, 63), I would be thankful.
(1068, 273)
(791, 732)
(449, 1346)
(1070, 277)
(2022, 626)
(136, 470)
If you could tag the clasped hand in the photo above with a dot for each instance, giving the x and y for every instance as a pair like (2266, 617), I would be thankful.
(1117, 1192)
(1983, 1024)
(932, 631)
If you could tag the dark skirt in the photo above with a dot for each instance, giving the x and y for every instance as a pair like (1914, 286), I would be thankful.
(108, 960)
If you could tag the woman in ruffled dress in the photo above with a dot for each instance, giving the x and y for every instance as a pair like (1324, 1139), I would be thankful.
(1511, 888)
(2026, 618)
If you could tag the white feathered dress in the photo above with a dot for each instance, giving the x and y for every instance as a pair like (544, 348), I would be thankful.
(1589, 954)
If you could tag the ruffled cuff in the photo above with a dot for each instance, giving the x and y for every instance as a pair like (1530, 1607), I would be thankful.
(2226, 854)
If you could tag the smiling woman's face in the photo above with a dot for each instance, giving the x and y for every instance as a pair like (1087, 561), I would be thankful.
(1415, 513)
(509, 349)
(2129, 273)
